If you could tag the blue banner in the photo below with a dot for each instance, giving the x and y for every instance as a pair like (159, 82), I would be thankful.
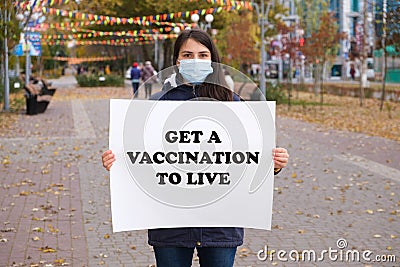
(18, 51)
(34, 45)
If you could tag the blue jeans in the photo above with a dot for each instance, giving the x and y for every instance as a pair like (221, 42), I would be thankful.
(182, 257)
(135, 89)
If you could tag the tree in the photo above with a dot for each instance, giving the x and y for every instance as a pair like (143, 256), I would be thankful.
(390, 36)
(310, 13)
(321, 47)
(290, 48)
(9, 37)
(9, 25)
(240, 41)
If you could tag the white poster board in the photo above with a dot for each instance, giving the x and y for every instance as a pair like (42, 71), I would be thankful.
(191, 164)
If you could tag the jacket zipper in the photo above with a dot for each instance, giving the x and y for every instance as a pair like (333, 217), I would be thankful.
(194, 91)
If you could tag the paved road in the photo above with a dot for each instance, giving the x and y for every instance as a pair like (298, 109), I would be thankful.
(55, 202)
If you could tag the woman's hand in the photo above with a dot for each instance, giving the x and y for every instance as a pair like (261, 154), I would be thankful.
(108, 159)
(281, 157)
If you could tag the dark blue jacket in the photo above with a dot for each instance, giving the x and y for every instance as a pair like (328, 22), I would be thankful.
(135, 74)
(182, 92)
(191, 237)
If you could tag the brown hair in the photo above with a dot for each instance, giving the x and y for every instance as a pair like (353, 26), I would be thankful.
(218, 89)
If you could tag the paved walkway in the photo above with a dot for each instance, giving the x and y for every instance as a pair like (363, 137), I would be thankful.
(55, 202)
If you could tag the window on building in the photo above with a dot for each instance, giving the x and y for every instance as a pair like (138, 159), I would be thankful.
(355, 6)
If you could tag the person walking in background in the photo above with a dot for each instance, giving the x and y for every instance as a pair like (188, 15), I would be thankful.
(352, 72)
(135, 78)
(147, 73)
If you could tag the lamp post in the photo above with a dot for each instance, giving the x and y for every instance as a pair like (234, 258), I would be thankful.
(209, 18)
(155, 37)
(302, 58)
(262, 13)
(6, 78)
(177, 30)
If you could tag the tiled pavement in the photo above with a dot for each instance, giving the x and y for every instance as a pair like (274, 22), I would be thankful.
(55, 203)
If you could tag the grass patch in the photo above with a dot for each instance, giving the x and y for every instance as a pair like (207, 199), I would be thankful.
(345, 113)
(304, 103)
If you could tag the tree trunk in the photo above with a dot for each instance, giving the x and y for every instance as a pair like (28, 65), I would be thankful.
(290, 82)
(322, 84)
(146, 55)
(384, 67)
(168, 54)
(384, 71)
(363, 79)
(316, 79)
(364, 54)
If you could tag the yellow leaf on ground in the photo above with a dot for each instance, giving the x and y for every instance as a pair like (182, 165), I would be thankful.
(59, 261)
(47, 249)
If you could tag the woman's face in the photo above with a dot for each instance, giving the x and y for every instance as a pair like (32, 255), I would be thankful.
(192, 49)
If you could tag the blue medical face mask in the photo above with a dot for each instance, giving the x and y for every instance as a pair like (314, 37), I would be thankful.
(195, 71)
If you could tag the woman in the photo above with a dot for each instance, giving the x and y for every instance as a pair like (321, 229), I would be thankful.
(194, 53)
(147, 73)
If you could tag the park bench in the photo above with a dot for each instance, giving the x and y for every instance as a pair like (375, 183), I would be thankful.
(38, 94)
(47, 89)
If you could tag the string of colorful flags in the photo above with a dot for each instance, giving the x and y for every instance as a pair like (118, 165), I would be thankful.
(88, 19)
(29, 5)
(94, 34)
(140, 20)
(75, 60)
(118, 42)
(74, 25)
(144, 36)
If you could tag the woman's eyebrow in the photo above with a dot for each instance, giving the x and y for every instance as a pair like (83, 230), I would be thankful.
(190, 52)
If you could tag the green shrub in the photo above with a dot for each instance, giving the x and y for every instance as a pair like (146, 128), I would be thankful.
(275, 92)
(94, 81)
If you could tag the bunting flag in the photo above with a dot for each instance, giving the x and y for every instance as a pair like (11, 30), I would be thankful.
(76, 60)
